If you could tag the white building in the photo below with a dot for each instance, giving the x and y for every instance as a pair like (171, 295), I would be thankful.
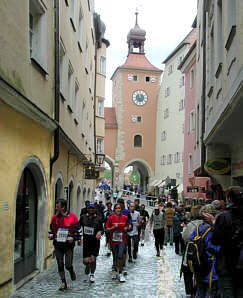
(171, 116)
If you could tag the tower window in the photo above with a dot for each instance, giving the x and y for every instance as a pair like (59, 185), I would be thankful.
(147, 79)
(137, 142)
(134, 78)
(139, 119)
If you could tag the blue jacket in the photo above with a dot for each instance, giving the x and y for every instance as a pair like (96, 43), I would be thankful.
(128, 214)
(211, 250)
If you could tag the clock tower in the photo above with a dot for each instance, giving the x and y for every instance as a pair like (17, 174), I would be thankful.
(130, 129)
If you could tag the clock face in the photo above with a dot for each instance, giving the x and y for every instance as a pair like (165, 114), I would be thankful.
(139, 97)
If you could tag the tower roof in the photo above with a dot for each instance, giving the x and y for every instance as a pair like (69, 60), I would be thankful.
(136, 37)
(137, 61)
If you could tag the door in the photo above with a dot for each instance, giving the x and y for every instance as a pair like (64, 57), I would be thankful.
(25, 227)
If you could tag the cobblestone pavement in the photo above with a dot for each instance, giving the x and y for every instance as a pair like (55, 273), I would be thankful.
(150, 277)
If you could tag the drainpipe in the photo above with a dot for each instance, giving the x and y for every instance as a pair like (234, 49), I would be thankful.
(57, 88)
(203, 147)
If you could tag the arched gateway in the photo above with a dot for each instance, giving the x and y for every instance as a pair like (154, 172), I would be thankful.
(130, 124)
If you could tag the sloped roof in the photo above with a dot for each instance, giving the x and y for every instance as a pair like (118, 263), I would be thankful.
(138, 61)
(110, 117)
(189, 39)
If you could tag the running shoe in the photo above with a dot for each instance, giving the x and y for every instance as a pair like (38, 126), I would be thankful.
(121, 278)
(158, 254)
(63, 286)
(91, 278)
(73, 275)
(87, 269)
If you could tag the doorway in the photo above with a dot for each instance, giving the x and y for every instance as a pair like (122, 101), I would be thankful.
(25, 226)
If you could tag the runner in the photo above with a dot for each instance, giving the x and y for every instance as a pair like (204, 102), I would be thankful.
(157, 220)
(108, 212)
(117, 225)
(64, 231)
(144, 219)
(132, 236)
(92, 226)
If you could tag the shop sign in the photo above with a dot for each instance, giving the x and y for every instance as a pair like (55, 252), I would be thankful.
(218, 166)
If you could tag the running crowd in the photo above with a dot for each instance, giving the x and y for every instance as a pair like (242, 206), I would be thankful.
(122, 228)
(208, 237)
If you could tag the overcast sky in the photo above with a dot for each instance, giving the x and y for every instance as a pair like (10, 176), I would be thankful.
(166, 23)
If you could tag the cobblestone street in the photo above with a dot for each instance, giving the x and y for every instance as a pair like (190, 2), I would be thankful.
(150, 277)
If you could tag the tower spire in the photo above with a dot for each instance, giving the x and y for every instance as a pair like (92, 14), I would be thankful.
(136, 13)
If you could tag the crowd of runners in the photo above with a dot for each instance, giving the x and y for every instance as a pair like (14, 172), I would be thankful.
(208, 237)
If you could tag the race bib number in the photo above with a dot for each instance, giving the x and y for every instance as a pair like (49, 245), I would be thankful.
(62, 235)
(89, 231)
(117, 237)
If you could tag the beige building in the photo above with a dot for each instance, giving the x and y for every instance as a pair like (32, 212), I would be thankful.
(171, 117)
(47, 108)
(222, 85)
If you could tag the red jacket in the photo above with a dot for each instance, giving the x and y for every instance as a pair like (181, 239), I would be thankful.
(122, 222)
(68, 222)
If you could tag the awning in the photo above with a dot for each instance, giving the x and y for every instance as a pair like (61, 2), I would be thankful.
(158, 183)
(154, 182)
(162, 183)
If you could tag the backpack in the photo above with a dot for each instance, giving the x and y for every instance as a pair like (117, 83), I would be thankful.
(196, 256)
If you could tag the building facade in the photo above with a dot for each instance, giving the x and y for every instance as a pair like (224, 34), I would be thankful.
(171, 98)
(223, 90)
(47, 95)
(133, 113)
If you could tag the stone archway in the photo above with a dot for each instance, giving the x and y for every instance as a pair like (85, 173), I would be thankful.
(30, 216)
(144, 169)
(111, 163)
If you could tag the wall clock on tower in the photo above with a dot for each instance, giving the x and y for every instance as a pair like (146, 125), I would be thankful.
(139, 97)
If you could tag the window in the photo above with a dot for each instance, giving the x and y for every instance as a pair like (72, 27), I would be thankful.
(192, 78)
(189, 164)
(91, 134)
(73, 13)
(170, 69)
(178, 175)
(86, 55)
(180, 60)
(197, 137)
(163, 135)
(163, 160)
(103, 65)
(76, 98)
(131, 77)
(83, 119)
(211, 58)
(191, 122)
(177, 157)
(181, 105)
(166, 113)
(231, 14)
(137, 141)
(219, 32)
(70, 86)
(139, 119)
(167, 91)
(147, 79)
(62, 62)
(169, 159)
(153, 79)
(38, 32)
(182, 156)
(182, 81)
(100, 108)
(80, 27)
(91, 77)
(100, 145)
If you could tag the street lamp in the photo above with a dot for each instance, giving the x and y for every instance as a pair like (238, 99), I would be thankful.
(99, 158)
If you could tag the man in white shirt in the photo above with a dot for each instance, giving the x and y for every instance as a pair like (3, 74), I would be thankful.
(133, 234)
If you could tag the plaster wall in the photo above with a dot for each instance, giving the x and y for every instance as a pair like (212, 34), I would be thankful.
(21, 139)
(15, 64)
(173, 124)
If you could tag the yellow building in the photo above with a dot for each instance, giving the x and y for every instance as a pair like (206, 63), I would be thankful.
(47, 124)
